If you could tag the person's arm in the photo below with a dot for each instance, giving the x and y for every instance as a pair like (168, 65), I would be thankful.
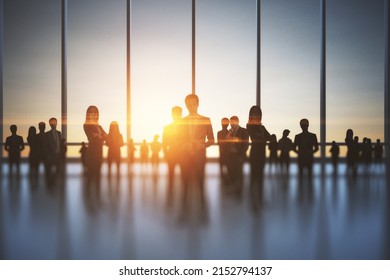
(21, 146)
(6, 145)
(315, 146)
(210, 134)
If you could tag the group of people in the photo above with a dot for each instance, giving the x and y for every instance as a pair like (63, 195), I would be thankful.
(233, 144)
(184, 144)
(46, 147)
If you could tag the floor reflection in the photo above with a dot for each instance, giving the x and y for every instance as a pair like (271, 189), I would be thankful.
(136, 215)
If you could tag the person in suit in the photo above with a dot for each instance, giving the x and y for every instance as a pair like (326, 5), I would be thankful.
(335, 152)
(352, 151)
(41, 144)
(83, 153)
(155, 147)
(14, 145)
(32, 141)
(273, 151)
(114, 143)
(144, 150)
(259, 136)
(305, 145)
(223, 150)
(130, 152)
(53, 139)
(197, 137)
(285, 145)
(96, 137)
(238, 142)
(171, 145)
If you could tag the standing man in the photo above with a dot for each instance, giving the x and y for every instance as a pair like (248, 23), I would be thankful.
(53, 148)
(305, 145)
(14, 145)
(171, 143)
(238, 140)
(197, 136)
(223, 150)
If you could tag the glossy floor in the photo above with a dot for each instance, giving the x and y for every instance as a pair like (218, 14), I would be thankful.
(130, 217)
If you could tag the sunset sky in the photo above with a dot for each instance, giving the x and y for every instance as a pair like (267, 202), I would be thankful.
(226, 63)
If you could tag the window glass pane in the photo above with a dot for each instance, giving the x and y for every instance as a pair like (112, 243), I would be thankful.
(161, 64)
(355, 71)
(290, 66)
(96, 65)
(226, 60)
(32, 55)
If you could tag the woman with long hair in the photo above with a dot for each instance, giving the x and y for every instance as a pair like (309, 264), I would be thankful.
(33, 156)
(96, 137)
(114, 143)
(259, 137)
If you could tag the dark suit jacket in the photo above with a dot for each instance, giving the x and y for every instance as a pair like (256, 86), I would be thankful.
(239, 142)
(171, 142)
(52, 151)
(197, 134)
(305, 144)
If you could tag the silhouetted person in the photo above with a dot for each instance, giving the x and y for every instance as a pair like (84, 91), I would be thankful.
(335, 152)
(305, 145)
(171, 145)
(366, 152)
(41, 147)
(114, 142)
(223, 150)
(14, 145)
(197, 136)
(144, 150)
(378, 151)
(259, 137)
(33, 159)
(285, 145)
(238, 142)
(96, 137)
(352, 151)
(83, 153)
(130, 152)
(155, 147)
(53, 151)
(273, 151)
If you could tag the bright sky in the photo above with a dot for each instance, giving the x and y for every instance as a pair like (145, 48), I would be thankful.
(226, 63)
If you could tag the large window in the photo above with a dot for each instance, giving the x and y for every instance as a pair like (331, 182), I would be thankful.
(32, 57)
(225, 64)
(355, 61)
(290, 65)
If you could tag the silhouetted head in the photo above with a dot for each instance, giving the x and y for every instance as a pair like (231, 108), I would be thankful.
(130, 141)
(41, 127)
(32, 131)
(378, 141)
(273, 138)
(156, 136)
(333, 143)
(13, 129)
(176, 112)
(286, 132)
(224, 122)
(255, 115)
(53, 123)
(304, 123)
(356, 139)
(234, 121)
(349, 134)
(192, 103)
(114, 128)
(92, 115)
